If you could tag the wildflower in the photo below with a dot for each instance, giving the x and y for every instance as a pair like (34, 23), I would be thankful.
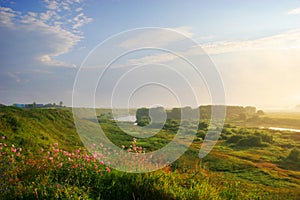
(123, 147)
(107, 169)
(13, 150)
(95, 166)
(101, 163)
(5, 145)
(56, 144)
(101, 145)
(3, 137)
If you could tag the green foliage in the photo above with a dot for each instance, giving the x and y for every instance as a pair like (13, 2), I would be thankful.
(143, 121)
(235, 138)
(250, 141)
(230, 171)
(294, 155)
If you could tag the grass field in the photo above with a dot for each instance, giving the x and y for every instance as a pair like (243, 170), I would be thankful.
(42, 157)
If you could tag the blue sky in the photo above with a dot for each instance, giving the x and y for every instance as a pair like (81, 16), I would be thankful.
(255, 45)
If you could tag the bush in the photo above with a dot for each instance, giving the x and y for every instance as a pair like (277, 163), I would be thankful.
(235, 138)
(251, 141)
(294, 155)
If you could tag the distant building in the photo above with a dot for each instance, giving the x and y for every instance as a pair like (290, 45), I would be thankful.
(21, 105)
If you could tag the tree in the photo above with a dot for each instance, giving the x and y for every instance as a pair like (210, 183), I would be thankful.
(260, 112)
(142, 116)
(60, 104)
(158, 115)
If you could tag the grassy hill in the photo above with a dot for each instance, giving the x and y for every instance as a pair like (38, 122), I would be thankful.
(34, 129)
(247, 163)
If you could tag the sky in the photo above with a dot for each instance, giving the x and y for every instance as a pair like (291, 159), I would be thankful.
(46, 44)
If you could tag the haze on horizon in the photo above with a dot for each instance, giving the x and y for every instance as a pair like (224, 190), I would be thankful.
(255, 45)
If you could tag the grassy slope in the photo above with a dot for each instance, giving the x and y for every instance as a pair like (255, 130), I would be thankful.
(38, 128)
(272, 119)
(254, 167)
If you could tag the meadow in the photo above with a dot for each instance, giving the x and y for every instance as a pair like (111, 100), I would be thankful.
(42, 157)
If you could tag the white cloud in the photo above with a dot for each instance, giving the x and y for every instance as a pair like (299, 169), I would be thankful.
(153, 38)
(48, 34)
(78, 9)
(295, 11)
(283, 41)
(80, 20)
(6, 16)
(263, 71)
(160, 58)
(185, 30)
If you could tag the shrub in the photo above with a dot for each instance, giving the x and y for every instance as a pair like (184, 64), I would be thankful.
(294, 155)
(250, 141)
(235, 138)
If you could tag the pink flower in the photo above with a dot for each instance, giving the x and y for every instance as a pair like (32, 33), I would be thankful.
(101, 163)
(13, 150)
(56, 144)
(5, 145)
(3, 137)
(107, 169)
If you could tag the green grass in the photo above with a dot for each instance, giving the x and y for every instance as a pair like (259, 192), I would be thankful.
(233, 170)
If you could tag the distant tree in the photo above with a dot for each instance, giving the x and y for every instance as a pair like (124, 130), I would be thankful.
(158, 115)
(250, 110)
(34, 104)
(242, 116)
(142, 117)
(61, 104)
(175, 113)
(260, 112)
